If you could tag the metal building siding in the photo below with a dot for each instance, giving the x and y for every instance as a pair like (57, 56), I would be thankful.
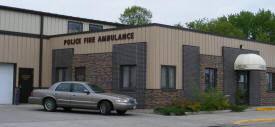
(20, 50)
(164, 47)
(19, 22)
(141, 35)
(47, 64)
(55, 25)
(166, 50)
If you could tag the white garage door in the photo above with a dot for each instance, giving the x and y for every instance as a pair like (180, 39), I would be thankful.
(6, 83)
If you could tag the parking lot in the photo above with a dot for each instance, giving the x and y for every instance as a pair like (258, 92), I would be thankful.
(34, 116)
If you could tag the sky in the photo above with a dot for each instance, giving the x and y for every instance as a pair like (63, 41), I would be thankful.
(168, 12)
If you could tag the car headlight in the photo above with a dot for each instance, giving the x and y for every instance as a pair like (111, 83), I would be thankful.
(122, 101)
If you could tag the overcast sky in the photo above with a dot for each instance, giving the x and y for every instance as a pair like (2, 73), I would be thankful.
(164, 11)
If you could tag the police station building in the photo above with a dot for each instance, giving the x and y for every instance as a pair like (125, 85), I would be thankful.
(154, 63)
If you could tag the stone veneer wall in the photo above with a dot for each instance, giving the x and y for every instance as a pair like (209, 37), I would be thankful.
(157, 97)
(98, 68)
(229, 76)
(215, 62)
(130, 54)
(191, 70)
(62, 58)
(267, 97)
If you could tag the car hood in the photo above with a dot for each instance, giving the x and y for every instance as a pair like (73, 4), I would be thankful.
(115, 95)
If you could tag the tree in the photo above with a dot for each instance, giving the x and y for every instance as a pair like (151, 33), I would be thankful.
(179, 25)
(217, 26)
(256, 26)
(136, 15)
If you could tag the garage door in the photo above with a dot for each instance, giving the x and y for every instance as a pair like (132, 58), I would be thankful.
(6, 83)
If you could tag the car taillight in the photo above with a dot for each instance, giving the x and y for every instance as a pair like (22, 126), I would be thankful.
(32, 93)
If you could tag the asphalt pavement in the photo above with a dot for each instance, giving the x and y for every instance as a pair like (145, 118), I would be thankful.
(35, 116)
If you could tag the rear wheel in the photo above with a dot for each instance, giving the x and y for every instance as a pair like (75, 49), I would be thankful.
(121, 112)
(49, 105)
(105, 107)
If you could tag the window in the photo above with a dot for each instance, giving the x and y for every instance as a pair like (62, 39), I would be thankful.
(128, 76)
(168, 77)
(78, 88)
(210, 78)
(270, 77)
(93, 27)
(60, 74)
(96, 89)
(63, 87)
(80, 73)
(74, 27)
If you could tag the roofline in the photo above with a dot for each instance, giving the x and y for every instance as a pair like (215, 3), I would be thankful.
(165, 26)
(59, 15)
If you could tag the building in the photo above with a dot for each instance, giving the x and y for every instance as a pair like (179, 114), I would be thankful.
(154, 63)
(22, 35)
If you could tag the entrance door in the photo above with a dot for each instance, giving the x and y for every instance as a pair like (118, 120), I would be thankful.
(25, 83)
(243, 87)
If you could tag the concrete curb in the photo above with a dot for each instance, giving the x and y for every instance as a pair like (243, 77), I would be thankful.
(255, 121)
(266, 109)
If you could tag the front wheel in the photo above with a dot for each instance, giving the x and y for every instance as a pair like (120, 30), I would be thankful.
(105, 108)
(121, 112)
(49, 105)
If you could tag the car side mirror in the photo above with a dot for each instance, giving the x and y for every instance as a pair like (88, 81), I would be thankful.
(86, 91)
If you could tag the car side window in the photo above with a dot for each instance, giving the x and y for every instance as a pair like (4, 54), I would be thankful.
(78, 88)
(63, 87)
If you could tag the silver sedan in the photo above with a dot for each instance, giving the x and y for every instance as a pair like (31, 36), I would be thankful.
(83, 95)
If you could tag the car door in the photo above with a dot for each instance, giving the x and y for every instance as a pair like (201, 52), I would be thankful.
(62, 94)
(81, 99)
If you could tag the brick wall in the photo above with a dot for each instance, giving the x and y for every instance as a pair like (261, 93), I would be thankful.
(99, 72)
(157, 97)
(98, 68)
(215, 62)
(267, 97)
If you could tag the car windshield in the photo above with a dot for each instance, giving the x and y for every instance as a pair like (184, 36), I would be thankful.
(96, 89)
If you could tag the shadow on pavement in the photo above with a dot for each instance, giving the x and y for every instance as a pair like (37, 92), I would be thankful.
(83, 112)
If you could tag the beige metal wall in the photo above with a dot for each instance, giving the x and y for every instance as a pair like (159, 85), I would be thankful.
(55, 25)
(19, 22)
(20, 50)
(141, 35)
(164, 47)
(30, 23)
(46, 64)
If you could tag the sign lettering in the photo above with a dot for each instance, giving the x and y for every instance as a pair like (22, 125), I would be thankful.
(103, 38)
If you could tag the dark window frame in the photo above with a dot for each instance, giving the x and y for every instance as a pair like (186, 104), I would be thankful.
(271, 84)
(75, 73)
(64, 69)
(209, 85)
(130, 86)
(167, 86)
(101, 26)
(75, 23)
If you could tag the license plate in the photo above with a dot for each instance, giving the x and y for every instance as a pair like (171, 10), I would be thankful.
(135, 107)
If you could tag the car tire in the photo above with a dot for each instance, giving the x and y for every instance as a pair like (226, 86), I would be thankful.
(49, 105)
(105, 107)
(67, 109)
(121, 112)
